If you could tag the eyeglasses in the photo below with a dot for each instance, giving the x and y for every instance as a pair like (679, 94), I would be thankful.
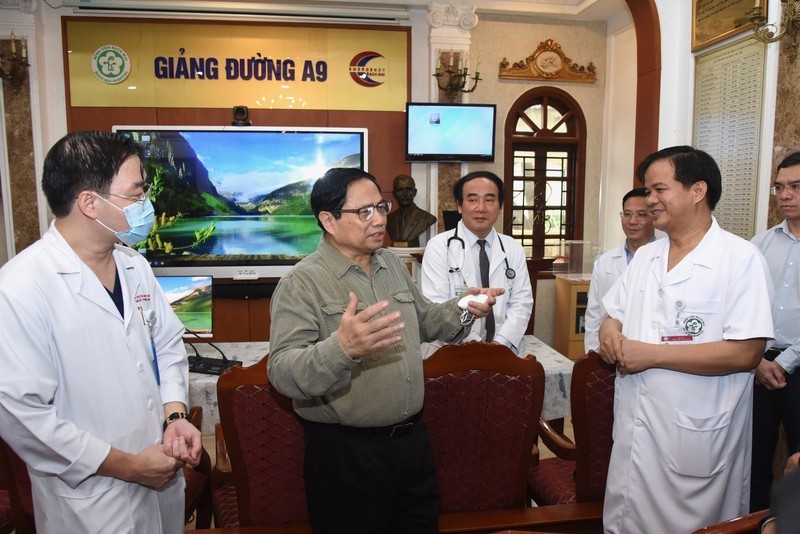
(778, 189)
(631, 214)
(368, 212)
(140, 199)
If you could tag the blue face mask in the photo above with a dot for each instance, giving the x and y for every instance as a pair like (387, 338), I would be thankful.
(140, 217)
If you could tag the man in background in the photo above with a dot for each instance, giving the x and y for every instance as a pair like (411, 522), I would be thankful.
(409, 221)
(688, 322)
(453, 261)
(638, 228)
(95, 378)
(776, 395)
(347, 323)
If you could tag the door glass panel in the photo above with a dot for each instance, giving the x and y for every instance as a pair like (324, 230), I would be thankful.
(544, 175)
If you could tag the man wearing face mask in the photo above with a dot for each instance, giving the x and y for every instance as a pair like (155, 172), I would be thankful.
(95, 382)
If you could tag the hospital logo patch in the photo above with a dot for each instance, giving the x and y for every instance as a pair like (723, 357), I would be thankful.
(693, 325)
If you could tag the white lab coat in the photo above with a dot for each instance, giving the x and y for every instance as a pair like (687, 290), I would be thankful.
(78, 379)
(681, 454)
(512, 309)
(607, 268)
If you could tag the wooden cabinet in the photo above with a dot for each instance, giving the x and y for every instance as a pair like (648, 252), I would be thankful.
(568, 321)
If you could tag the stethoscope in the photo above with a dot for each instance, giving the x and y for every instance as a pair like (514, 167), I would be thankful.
(510, 273)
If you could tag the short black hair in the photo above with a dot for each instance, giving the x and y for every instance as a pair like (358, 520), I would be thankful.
(330, 192)
(790, 161)
(691, 165)
(81, 161)
(636, 192)
(458, 187)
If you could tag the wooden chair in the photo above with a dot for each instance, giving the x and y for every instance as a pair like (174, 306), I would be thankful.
(263, 441)
(198, 481)
(16, 501)
(482, 404)
(746, 524)
(578, 472)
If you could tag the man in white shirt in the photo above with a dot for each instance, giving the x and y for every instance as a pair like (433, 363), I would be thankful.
(638, 228)
(688, 322)
(451, 263)
(776, 395)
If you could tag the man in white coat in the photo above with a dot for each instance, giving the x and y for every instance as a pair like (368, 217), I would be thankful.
(95, 377)
(688, 322)
(451, 263)
(638, 228)
(776, 395)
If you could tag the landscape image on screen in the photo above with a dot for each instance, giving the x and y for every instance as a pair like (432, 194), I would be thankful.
(237, 197)
(191, 299)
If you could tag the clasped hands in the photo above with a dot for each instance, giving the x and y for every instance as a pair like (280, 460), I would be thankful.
(362, 333)
(156, 465)
(182, 445)
(628, 355)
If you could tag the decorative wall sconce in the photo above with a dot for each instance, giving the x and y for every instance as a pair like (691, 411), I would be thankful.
(457, 76)
(14, 68)
(790, 24)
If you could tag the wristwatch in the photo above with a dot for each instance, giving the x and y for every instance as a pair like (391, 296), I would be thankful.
(174, 416)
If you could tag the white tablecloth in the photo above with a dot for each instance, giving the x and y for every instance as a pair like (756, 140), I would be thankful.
(203, 388)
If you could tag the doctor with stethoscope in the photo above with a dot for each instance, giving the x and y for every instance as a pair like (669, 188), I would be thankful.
(451, 263)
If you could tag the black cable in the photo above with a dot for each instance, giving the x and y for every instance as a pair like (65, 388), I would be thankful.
(225, 358)
(196, 353)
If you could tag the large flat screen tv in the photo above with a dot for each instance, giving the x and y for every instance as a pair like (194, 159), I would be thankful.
(234, 202)
(450, 132)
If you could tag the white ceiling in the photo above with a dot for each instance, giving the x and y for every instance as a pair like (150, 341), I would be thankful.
(575, 9)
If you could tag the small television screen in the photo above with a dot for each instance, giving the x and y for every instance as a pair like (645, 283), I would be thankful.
(191, 298)
(450, 132)
(234, 202)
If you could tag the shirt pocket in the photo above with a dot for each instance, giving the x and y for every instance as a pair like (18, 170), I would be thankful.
(699, 443)
(701, 319)
(405, 303)
(332, 312)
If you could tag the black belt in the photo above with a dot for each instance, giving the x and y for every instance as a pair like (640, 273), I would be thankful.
(391, 431)
(771, 354)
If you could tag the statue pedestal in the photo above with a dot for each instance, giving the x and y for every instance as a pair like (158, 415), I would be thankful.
(409, 256)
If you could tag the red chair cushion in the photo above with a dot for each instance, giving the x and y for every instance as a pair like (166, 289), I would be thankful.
(270, 436)
(226, 510)
(6, 515)
(553, 481)
(477, 421)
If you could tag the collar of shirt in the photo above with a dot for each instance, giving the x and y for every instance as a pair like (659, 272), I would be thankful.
(784, 227)
(339, 264)
(628, 253)
(472, 240)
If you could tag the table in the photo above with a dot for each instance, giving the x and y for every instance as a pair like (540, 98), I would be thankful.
(203, 388)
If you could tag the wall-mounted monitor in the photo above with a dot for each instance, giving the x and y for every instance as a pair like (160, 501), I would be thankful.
(191, 298)
(450, 132)
(234, 202)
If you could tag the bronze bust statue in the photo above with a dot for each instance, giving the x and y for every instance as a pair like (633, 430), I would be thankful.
(409, 221)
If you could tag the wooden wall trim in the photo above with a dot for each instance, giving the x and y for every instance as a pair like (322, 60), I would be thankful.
(648, 87)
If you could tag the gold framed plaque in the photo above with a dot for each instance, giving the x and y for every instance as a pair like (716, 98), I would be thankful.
(715, 20)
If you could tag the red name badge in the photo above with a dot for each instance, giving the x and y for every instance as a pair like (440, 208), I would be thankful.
(682, 338)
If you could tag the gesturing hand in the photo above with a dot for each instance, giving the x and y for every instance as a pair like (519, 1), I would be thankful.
(368, 331)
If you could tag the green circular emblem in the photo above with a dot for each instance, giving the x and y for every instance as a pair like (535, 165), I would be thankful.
(111, 64)
(693, 325)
